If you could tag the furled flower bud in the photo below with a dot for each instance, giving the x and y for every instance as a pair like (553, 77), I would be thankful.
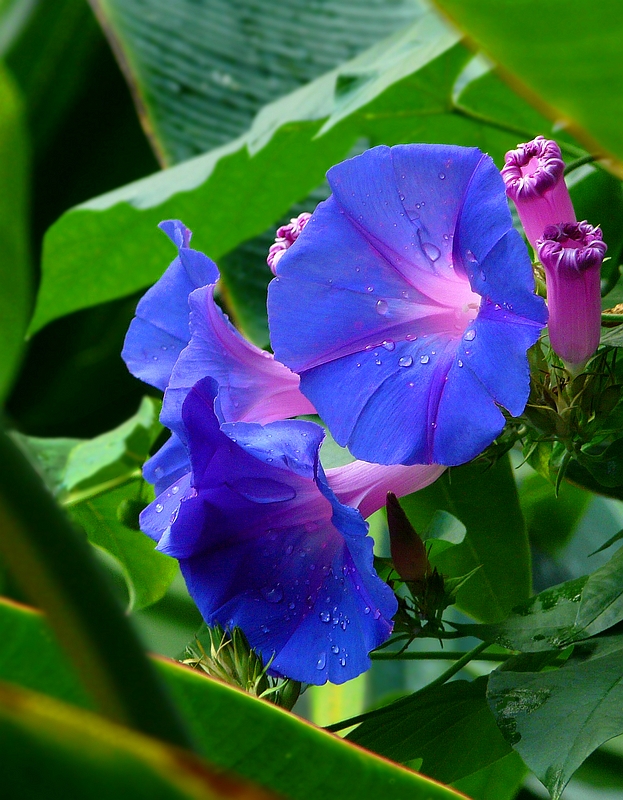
(407, 548)
(285, 238)
(533, 174)
(571, 254)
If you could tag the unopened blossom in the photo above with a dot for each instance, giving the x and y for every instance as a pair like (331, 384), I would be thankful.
(407, 306)
(265, 545)
(286, 236)
(534, 178)
(572, 255)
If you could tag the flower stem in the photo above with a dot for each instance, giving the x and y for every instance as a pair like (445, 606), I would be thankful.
(445, 676)
(436, 655)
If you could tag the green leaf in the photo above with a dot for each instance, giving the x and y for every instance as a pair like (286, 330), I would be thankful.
(581, 702)
(551, 519)
(486, 502)
(238, 733)
(56, 569)
(236, 58)
(15, 277)
(563, 614)
(113, 455)
(86, 757)
(499, 781)
(236, 191)
(48, 456)
(103, 487)
(578, 84)
(50, 49)
(449, 727)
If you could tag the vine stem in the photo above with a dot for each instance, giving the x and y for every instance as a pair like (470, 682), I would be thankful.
(445, 676)
(434, 655)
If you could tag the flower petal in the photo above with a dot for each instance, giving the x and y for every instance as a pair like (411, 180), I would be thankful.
(160, 329)
(264, 542)
(365, 486)
(253, 386)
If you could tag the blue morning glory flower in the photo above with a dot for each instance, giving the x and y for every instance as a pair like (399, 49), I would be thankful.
(265, 545)
(407, 306)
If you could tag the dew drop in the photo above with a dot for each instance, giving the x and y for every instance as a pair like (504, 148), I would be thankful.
(155, 358)
(358, 364)
(381, 307)
(460, 363)
(401, 196)
(274, 595)
(471, 257)
(343, 661)
(366, 610)
(291, 606)
(264, 628)
(377, 614)
(289, 550)
(320, 664)
(483, 277)
(411, 384)
(388, 344)
(378, 362)
(370, 288)
(335, 649)
(410, 337)
(431, 251)
(159, 508)
(424, 359)
(174, 516)
(325, 616)
(442, 176)
(405, 361)
(470, 335)
(175, 490)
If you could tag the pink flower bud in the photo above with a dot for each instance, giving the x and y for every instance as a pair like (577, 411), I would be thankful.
(533, 174)
(572, 254)
(285, 238)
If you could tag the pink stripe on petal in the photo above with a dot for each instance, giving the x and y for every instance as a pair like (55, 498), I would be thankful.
(363, 485)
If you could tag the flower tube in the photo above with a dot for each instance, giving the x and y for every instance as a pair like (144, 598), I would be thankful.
(572, 254)
(533, 174)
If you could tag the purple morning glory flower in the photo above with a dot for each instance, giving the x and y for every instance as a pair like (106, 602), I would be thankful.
(159, 331)
(534, 178)
(252, 385)
(407, 305)
(571, 255)
(265, 545)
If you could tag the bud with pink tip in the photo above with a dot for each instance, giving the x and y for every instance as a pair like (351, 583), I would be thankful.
(533, 174)
(571, 254)
(285, 238)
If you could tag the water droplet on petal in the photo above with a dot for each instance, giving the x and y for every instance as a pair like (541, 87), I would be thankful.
(410, 337)
(335, 649)
(274, 595)
(442, 177)
(424, 359)
(470, 335)
(366, 610)
(370, 288)
(405, 361)
(321, 663)
(264, 628)
(471, 257)
(483, 277)
(175, 489)
(159, 508)
(289, 550)
(388, 344)
(460, 363)
(378, 362)
(431, 250)
(291, 606)
(343, 661)
(325, 616)
(381, 307)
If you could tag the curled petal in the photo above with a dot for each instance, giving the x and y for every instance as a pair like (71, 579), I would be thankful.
(160, 331)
